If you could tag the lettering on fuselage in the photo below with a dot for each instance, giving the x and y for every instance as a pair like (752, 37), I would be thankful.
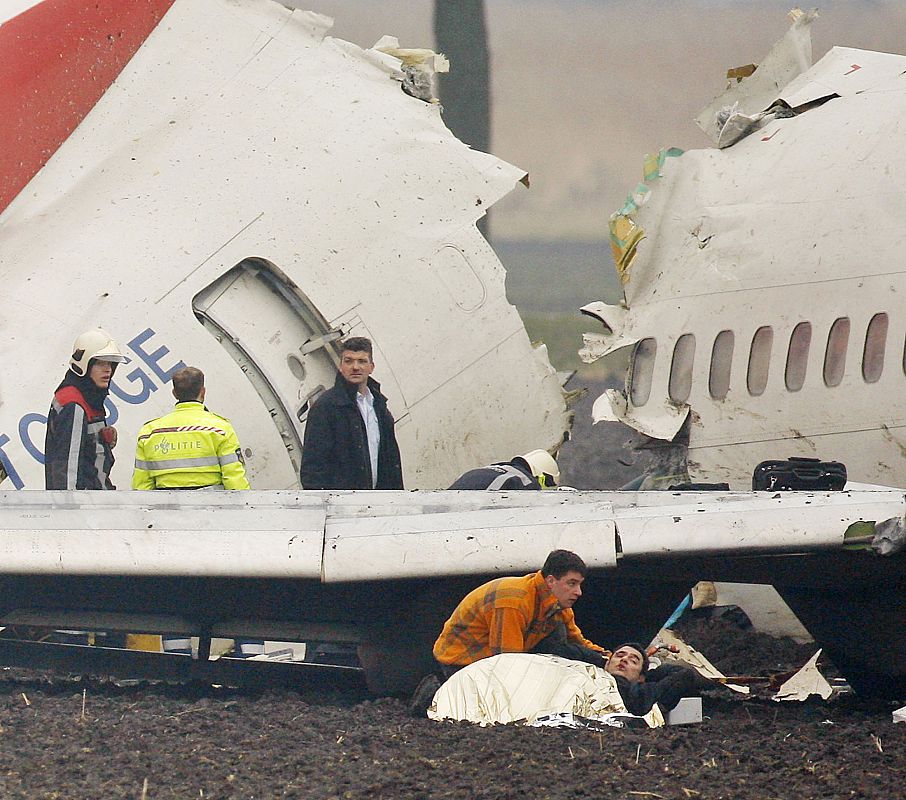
(147, 373)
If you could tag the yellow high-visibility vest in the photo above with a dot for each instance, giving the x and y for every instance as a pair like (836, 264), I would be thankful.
(188, 448)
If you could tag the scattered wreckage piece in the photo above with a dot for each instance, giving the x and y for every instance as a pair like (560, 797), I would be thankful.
(747, 103)
(754, 328)
(806, 682)
(799, 684)
(678, 650)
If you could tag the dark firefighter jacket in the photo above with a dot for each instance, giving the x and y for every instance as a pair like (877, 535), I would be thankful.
(77, 453)
(513, 474)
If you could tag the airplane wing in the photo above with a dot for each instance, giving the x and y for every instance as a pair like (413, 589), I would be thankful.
(385, 569)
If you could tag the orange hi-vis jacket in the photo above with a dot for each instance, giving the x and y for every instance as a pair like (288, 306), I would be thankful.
(506, 615)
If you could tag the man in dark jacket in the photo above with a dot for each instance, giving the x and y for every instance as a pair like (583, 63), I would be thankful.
(641, 688)
(349, 439)
(78, 446)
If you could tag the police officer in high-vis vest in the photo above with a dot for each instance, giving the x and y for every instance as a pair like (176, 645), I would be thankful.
(189, 448)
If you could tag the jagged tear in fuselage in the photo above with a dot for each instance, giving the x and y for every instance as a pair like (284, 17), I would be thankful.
(761, 281)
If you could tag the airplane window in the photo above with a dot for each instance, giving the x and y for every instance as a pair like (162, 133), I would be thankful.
(835, 355)
(642, 371)
(875, 345)
(759, 360)
(797, 356)
(681, 368)
(721, 359)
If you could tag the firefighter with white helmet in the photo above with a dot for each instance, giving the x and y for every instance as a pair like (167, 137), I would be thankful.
(536, 470)
(78, 446)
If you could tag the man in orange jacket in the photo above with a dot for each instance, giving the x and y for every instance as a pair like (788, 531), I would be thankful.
(529, 614)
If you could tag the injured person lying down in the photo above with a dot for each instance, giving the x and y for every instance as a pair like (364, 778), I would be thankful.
(641, 687)
(534, 614)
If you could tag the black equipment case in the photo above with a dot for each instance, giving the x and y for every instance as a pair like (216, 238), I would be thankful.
(799, 474)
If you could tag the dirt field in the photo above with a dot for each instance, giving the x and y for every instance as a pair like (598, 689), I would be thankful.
(160, 741)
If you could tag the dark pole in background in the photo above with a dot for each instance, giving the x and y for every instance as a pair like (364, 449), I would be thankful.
(460, 33)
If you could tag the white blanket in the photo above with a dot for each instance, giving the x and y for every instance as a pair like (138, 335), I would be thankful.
(520, 687)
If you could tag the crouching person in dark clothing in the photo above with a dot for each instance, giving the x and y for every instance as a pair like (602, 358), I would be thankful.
(641, 688)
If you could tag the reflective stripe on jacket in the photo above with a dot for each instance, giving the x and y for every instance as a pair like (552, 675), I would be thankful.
(506, 615)
(75, 455)
(499, 476)
(189, 448)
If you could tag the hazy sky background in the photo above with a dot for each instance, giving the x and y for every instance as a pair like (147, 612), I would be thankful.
(582, 89)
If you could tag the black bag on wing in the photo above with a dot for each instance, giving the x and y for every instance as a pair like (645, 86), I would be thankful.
(799, 474)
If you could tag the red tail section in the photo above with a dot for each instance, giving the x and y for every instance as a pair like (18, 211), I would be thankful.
(58, 58)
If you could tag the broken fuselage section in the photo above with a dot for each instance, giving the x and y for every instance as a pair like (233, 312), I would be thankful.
(761, 278)
(241, 204)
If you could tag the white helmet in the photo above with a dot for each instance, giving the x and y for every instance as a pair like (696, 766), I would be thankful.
(94, 344)
(542, 463)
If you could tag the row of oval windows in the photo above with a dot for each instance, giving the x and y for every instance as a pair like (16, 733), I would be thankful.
(680, 383)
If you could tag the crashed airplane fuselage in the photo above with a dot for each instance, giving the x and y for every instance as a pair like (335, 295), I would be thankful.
(761, 278)
(240, 203)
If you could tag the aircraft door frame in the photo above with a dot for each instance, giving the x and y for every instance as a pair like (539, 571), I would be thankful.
(258, 314)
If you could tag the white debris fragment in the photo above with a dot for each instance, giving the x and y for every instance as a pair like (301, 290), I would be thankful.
(566, 719)
(806, 682)
(419, 66)
(687, 711)
(900, 715)
(789, 58)
(689, 655)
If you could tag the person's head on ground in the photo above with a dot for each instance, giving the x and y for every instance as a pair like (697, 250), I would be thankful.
(188, 385)
(541, 464)
(95, 355)
(563, 572)
(628, 661)
(356, 361)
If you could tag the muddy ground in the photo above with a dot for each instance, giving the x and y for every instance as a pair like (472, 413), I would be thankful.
(81, 738)
(71, 737)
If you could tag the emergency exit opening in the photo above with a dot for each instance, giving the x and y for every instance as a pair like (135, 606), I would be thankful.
(277, 336)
